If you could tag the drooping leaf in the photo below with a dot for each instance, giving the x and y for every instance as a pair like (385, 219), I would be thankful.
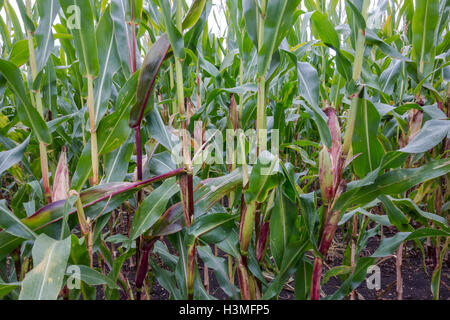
(12, 224)
(373, 38)
(212, 228)
(219, 266)
(10, 157)
(393, 182)
(396, 216)
(93, 277)
(389, 245)
(432, 133)
(193, 14)
(153, 207)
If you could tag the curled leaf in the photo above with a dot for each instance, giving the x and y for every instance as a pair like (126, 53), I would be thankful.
(193, 14)
(147, 77)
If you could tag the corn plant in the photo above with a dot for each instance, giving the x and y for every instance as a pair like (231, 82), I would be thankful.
(239, 139)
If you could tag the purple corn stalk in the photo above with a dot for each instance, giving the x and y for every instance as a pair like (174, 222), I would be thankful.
(143, 267)
(262, 242)
(332, 186)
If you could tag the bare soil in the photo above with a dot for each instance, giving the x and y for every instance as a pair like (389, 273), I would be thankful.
(416, 279)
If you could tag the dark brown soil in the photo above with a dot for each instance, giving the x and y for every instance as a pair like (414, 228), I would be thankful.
(416, 282)
(416, 279)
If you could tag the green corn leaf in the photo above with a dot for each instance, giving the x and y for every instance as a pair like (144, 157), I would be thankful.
(393, 182)
(410, 208)
(212, 228)
(282, 225)
(174, 35)
(325, 30)
(18, 32)
(45, 280)
(113, 131)
(373, 38)
(219, 266)
(6, 288)
(11, 157)
(122, 33)
(390, 245)
(389, 76)
(352, 282)
(80, 21)
(365, 140)
(12, 224)
(396, 216)
(336, 271)
(20, 53)
(277, 22)
(207, 194)
(193, 14)
(308, 86)
(147, 77)
(108, 64)
(116, 163)
(360, 21)
(425, 19)
(153, 207)
(302, 279)
(432, 133)
(48, 9)
(29, 115)
(93, 277)
(250, 12)
(293, 252)
(29, 24)
(265, 176)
